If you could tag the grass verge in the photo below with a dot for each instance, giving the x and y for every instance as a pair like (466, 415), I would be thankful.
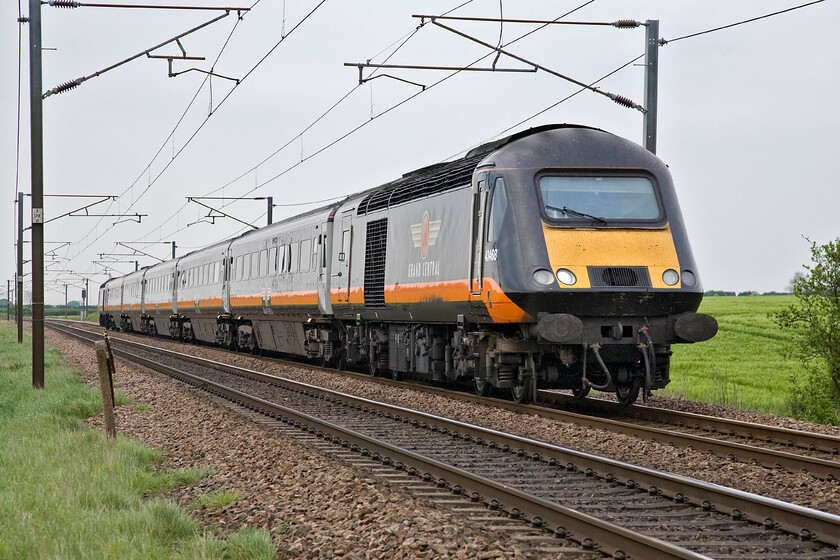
(67, 492)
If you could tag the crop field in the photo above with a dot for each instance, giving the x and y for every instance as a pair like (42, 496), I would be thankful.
(743, 365)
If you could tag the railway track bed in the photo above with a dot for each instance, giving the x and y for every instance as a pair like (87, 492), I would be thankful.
(657, 445)
(686, 514)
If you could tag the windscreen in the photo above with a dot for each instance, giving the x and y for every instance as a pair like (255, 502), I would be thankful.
(598, 198)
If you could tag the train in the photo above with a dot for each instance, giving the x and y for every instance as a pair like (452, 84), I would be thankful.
(554, 258)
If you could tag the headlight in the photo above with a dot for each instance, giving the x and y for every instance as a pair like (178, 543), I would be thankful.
(566, 276)
(688, 278)
(544, 277)
(670, 277)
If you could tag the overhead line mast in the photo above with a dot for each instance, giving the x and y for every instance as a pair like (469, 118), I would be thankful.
(37, 160)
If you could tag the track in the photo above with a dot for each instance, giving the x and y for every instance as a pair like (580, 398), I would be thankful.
(613, 507)
(768, 446)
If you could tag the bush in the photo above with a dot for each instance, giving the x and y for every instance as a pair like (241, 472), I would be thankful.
(814, 322)
(814, 398)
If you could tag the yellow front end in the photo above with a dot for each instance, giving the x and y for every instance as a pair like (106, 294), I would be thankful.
(577, 249)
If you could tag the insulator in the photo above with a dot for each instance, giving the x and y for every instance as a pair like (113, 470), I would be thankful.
(625, 101)
(64, 3)
(626, 23)
(67, 86)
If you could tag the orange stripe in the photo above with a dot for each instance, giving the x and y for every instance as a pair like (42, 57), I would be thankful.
(246, 301)
(294, 298)
(357, 296)
(451, 291)
(500, 307)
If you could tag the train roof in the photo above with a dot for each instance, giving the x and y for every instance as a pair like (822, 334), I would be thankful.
(442, 177)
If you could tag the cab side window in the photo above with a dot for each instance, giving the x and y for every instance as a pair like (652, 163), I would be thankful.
(498, 209)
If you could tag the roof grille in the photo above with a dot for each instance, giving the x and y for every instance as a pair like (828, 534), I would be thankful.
(423, 182)
(625, 276)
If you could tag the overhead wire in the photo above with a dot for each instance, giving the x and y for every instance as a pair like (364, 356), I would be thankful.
(666, 41)
(402, 41)
(662, 42)
(204, 122)
(404, 101)
(164, 144)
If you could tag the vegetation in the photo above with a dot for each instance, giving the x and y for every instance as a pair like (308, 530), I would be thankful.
(743, 365)
(216, 500)
(67, 492)
(813, 322)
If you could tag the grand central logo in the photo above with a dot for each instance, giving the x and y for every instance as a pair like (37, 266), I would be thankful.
(424, 235)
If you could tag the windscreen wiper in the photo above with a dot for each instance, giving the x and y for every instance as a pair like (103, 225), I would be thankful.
(567, 210)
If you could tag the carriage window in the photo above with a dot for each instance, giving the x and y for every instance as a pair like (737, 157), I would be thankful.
(272, 260)
(305, 250)
(293, 257)
(263, 263)
(315, 247)
(255, 265)
(598, 198)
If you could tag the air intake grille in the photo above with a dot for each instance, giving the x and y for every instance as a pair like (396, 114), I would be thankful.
(423, 182)
(375, 243)
(625, 276)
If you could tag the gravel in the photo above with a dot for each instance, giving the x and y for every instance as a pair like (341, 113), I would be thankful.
(284, 485)
(313, 506)
(798, 488)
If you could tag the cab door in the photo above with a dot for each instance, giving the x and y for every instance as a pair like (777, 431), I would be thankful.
(341, 268)
(479, 210)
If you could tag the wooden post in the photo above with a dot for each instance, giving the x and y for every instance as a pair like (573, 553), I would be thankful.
(112, 366)
(106, 388)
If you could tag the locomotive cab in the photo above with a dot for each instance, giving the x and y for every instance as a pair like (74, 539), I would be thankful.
(585, 238)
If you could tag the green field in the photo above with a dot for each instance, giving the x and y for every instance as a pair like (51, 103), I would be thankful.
(67, 492)
(742, 366)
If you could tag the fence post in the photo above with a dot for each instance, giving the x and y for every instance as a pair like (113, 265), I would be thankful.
(106, 387)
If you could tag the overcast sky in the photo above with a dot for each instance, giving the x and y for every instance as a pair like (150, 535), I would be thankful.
(748, 118)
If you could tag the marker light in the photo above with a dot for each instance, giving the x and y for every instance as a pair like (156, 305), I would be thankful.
(670, 277)
(544, 277)
(688, 278)
(566, 276)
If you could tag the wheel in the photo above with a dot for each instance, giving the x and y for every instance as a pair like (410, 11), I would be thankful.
(373, 368)
(581, 392)
(522, 393)
(396, 375)
(627, 394)
(482, 387)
